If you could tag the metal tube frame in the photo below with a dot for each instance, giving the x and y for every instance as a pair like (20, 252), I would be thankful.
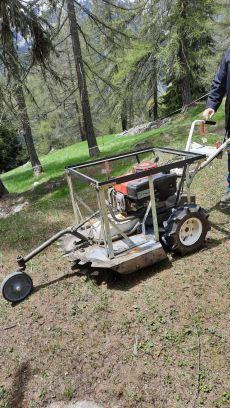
(105, 218)
(145, 217)
(186, 159)
(130, 242)
(70, 185)
(100, 186)
(154, 211)
(188, 185)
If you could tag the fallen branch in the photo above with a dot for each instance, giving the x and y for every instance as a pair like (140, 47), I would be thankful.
(10, 327)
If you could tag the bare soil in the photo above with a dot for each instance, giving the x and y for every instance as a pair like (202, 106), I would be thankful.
(8, 203)
(157, 338)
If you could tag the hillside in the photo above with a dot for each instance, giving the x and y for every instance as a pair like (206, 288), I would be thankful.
(155, 338)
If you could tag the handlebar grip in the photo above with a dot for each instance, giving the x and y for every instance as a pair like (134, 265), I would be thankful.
(209, 122)
(202, 129)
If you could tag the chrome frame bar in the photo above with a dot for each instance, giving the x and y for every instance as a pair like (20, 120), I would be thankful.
(70, 185)
(105, 218)
(154, 211)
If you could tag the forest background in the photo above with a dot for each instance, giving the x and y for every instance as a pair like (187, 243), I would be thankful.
(74, 70)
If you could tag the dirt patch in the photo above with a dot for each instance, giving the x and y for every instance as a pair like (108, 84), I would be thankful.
(9, 198)
(11, 204)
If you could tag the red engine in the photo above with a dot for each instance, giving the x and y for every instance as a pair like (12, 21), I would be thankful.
(133, 195)
(137, 168)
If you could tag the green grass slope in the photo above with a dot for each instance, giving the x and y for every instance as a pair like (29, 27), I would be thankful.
(173, 135)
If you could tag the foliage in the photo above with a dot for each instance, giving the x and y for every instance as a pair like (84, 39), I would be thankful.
(131, 57)
(187, 45)
(12, 149)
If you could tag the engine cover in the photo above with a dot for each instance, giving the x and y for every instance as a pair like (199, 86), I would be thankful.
(132, 195)
(164, 187)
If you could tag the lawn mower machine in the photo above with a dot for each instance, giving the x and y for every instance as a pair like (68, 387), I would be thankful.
(141, 215)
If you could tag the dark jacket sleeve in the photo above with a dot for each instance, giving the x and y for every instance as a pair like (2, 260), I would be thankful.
(218, 89)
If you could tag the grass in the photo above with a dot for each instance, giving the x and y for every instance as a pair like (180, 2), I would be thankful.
(20, 180)
(128, 341)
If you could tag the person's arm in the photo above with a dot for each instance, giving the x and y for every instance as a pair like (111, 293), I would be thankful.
(218, 89)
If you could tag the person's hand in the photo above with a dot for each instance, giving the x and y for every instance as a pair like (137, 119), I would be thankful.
(208, 112)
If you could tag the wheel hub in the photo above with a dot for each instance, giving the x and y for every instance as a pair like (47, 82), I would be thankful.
(17, 288)
(190, 231)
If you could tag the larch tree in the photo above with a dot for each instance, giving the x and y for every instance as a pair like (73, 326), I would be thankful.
(117, 31)
(21, 20)
(88, 123)
(97, 30)
(137, 69)
(187, 43)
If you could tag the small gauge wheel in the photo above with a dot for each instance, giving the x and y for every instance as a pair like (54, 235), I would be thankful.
(16, 286)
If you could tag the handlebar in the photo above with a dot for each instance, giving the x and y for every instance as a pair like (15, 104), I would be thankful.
(201, 123)
(209, 122)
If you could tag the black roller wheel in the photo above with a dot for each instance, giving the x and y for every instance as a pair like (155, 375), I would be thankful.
(16, 286)
(186, 229)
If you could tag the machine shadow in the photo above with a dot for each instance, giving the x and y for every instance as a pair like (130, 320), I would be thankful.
(113, 279)
(21, 377)
(221, 207)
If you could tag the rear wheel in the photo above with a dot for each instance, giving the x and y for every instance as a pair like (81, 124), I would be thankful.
(186, 229)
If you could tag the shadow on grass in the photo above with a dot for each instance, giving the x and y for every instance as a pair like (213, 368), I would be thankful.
(114, 280)
(125, 282)
(220, 228)
(221, 207)
(128, 281)
(21, 378)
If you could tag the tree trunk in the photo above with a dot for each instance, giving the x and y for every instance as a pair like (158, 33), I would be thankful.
(185, 80)
(80, 124)
(3, 189)
(89, 130)
(79, 116)
(124, 118)
(35, 162)
(37, 168)
(131, 111)
(155, 106)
